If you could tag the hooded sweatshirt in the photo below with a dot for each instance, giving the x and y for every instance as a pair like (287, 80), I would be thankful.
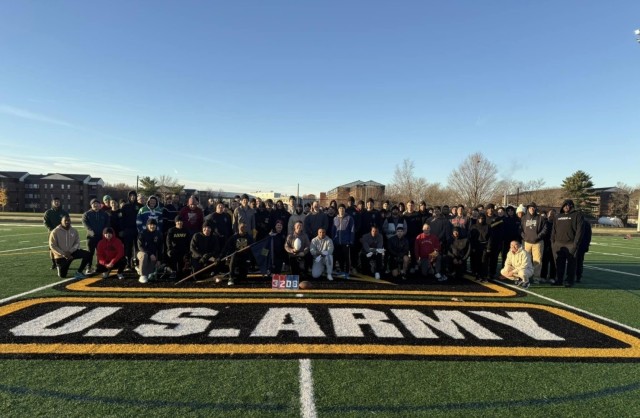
(64, 240)
(146, 213)
(109, 251)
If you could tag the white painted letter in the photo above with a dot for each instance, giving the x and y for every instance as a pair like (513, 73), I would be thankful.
(523, 322)
(448, 322)
(346, 324)
(39, 327)
(183, 325)
(300, 321)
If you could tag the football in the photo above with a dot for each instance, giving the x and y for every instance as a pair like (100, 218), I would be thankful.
(297, 244)
(304, 285)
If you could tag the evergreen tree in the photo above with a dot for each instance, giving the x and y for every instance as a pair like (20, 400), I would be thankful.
(579, 188)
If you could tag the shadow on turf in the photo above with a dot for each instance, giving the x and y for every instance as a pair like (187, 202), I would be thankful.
(129, 403)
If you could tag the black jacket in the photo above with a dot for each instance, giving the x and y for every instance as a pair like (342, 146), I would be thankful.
(568, 230)
(151, 242)
(177, 242)
(534, 228)
(204, 247)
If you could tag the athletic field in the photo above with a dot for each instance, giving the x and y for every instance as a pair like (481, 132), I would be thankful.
(349, 348)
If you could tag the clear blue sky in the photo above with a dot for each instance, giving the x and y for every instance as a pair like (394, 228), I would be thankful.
(263, 95)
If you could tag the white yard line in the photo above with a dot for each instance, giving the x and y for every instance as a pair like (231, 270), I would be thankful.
(27, 248)
(566, 305)
(34, 290)
(307, 399)
(614, 254)
(612, 271)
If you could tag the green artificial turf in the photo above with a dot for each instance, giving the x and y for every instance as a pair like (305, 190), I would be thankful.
(344, 387)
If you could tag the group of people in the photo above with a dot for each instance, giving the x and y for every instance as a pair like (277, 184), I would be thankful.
(397, 240)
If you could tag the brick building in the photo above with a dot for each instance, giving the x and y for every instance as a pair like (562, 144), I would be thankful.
(360, 190)
(33, 192)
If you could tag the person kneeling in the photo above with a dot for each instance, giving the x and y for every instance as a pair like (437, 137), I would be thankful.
(322, 252)
(427, 249)
(64, 243)
(110, 254)
(150, 243)
(204, 249)
(518, 266)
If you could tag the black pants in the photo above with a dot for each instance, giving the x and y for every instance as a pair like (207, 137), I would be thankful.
(548, 269)
(565, 263)
(63, 264)
(239, 265)
(299, 265)
(342, 254)
(120, 265)
(92, 244)
(370, 265)
(130, 241)
(480, 260)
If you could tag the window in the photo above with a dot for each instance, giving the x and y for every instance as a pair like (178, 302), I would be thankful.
(68, 197)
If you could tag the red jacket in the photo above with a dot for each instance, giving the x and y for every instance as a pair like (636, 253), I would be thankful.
(109, 251)
(426, 244)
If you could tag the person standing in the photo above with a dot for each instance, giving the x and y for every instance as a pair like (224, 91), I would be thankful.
(548, 269)
(566, 237)
(343, 235)
(534, 230)
(246, 215)
(583, 249)
(95, 221)
(52, 218)
(129, 229)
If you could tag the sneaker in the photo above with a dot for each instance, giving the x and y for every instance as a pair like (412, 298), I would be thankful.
(525, 285)
(53, 266)
(120, 276)
(105, 275)
(89, 271)
(438, 276)
(79, 275)
(62, 276)
(377, 276)
(442, 277)
(536, 281)
(218, 280)
(518, 282)
(330, 277)
(143, 279)
(230, 282)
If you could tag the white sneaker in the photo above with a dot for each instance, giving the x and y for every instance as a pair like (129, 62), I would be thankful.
(120, 276)
(330, 277)
(438, 276)
(105, 275)
(377, 276)
(442, 277)
(230, 282)
(143, 279)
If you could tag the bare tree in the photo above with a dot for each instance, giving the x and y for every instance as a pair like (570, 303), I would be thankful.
(438, 195)
(169, 185)
(474, 181)
(405, 185)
